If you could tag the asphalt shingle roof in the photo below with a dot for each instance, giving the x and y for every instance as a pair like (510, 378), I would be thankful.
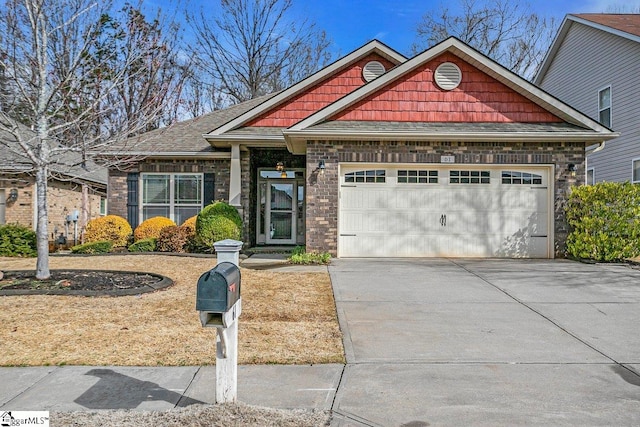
(627, 22)
(186, 136)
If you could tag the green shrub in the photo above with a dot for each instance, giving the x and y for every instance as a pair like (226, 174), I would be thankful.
(605, 221)
(300, 256)
(210, 229)
(18, 241)
(110, 227)
(101, 247)
(173, 239)
(143, 245)
(151, 228)
(223, 209)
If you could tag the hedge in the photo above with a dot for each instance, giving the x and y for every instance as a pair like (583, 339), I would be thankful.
(605, 221)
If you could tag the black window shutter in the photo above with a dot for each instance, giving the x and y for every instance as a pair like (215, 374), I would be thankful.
(132, 198)
(209, 190)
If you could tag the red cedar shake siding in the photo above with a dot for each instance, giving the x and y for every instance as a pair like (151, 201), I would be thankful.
(416, 98)
(319, 96)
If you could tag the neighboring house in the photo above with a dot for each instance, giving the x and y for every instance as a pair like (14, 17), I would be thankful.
(444, 154)
(594, 65)
(65, 191)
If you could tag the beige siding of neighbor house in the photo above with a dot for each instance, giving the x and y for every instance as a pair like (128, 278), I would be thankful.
(63, 198)
(590, 60)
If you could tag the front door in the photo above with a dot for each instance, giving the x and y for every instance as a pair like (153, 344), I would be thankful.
(281, 208)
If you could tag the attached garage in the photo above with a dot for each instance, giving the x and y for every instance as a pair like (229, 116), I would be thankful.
(445, 211)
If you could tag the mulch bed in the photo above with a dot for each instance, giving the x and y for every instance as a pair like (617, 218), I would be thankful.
(82, 282)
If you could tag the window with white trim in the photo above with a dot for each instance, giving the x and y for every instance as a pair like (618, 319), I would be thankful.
(636, 171)
(417, 177)
(604, 106)
(103, 206)
(521, 178)
(469, 177)
(591, 176)
(177, 196)
(370, 176)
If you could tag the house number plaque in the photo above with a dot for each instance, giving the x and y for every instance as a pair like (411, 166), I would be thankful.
(447, 159)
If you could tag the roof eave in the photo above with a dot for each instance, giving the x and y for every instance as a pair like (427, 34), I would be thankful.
(587, 136)
(248, 140)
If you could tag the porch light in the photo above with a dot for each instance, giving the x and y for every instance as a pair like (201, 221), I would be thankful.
(280, 168)
(321, 166)
(572, 169)
(13, 195)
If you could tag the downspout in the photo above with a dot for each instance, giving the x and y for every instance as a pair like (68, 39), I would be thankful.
(589, 150)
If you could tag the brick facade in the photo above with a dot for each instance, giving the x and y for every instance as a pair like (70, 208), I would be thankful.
(63, 198)
(322, 189)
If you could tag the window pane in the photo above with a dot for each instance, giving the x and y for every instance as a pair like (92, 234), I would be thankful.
(155, 189)
(183, 213)
(605, 117)
(636, 170)
(187, 189)
(152, 211)
(604, 98)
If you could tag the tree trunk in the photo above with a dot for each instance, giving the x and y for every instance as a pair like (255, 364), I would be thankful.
(42, 235)
(84, 216)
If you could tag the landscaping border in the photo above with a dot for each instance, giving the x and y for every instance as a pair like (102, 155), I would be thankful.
(163, 282)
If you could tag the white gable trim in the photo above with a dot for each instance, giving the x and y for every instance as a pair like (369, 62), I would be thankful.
(483, 63)
(372, 47)
(562, 33)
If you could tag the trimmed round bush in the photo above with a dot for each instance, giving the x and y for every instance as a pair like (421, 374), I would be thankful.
(224, 209)
(210, 229)
(173, 239)
(18, 241)
(143, 245)
(151, 228)
(112, 228)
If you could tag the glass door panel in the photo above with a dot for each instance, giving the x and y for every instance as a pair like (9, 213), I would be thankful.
(281, 211)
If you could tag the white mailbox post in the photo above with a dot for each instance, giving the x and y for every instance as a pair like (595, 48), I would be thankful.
(224, 319)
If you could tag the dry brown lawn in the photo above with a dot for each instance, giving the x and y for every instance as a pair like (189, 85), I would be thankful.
(287, 318)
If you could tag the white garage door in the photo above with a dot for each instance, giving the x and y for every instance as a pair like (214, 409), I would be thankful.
(453, 211)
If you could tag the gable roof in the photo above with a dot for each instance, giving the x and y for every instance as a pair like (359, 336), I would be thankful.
(592, 130)
(373, 47)
(626, 26)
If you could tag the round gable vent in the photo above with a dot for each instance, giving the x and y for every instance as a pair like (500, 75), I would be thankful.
(372, 70)
(448, 76)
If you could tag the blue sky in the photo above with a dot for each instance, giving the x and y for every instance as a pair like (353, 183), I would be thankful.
(352, 23)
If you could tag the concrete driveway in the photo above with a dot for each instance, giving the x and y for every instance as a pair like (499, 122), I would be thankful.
(441, 342)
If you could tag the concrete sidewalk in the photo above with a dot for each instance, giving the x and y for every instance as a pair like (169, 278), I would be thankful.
(81, 388)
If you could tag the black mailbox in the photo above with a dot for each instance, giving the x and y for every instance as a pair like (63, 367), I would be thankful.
(218, 289)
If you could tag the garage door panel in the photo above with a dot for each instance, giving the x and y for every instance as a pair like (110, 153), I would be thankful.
(495, 219)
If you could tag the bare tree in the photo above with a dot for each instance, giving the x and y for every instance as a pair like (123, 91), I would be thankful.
(252, 47)
(64, 79)
(505, 30)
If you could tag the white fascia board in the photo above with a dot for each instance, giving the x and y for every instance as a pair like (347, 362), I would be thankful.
(553, 49)
(266, 141)
(372, 47)
(295, 137)
(512, 80)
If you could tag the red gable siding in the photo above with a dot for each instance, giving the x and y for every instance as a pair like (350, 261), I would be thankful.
(319, 96)
(416, 98)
